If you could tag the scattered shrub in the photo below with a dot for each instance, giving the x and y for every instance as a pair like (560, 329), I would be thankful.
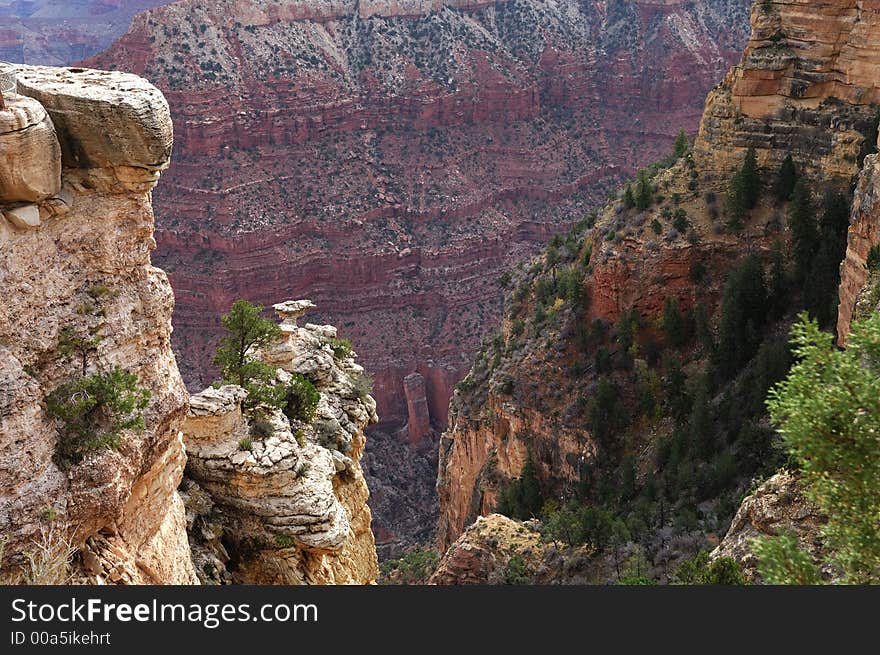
(341, 348)
(95, 410)
(301, 399)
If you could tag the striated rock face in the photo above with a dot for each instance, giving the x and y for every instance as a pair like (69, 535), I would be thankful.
(805, 86)
(78, 257)
(391, 159)
(291, 508)
(859, 285)
(776, 506)
(60, 32)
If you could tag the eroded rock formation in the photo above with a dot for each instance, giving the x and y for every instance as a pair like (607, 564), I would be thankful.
(391, 159)
(806, 86)
(775, 507)
(859, 275)
(75, 245)
(289, 507)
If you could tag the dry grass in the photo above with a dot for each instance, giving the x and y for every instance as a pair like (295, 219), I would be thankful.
(47, 563)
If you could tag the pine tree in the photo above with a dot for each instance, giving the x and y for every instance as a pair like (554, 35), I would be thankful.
(743, 316)
(828, 413)
(246, 330)
(629, 198)
(804, 233)
(702, 435)
(673, 323)
(644, 193)
(823, 278)
(751, 179)
(777, 292)
(532, 499)
(682, 145)
(744, 191)
(786, 180)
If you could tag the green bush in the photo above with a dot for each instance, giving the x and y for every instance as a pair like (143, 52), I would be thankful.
(301, 399)
(516, 573)
(362, 385)
(700, 571)
(260, 428)
(415, 567)
(94, 411)
(341, 348)
(828, 413)
(246, 444)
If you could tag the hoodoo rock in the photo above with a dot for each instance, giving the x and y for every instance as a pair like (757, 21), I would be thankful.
(78, 258)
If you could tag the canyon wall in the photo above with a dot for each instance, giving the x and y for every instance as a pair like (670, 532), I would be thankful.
(392, 159)
(804, 87)
(288, 506)
(859, 276)
(82, 151)
(61, 32)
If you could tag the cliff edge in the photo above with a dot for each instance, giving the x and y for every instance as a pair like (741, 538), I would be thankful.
(81, 151)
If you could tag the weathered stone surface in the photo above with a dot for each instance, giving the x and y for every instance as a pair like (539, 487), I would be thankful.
(30, 157)
(92, 271)
(806, 86)
(291, 509)
(482, 552)
(104, 119)
(859, 285)
(776, 506)
(23, 217)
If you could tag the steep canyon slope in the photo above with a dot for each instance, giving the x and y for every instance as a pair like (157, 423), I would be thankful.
(391, 160)
(559, 371)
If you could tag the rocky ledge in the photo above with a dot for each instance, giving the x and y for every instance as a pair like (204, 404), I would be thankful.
(289, 507)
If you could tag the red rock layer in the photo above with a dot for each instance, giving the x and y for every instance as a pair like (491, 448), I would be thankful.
(391, 164)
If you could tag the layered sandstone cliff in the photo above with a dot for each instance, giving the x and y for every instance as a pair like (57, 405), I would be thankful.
(806, 86)
(288, 507)
(392, 159)
(82, 151)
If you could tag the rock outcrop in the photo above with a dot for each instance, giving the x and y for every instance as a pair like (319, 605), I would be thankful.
(859, 276)
(775, 507)
(497, 550)
(391, 160)
(806, 86)
(290, 506)
(75, 243)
